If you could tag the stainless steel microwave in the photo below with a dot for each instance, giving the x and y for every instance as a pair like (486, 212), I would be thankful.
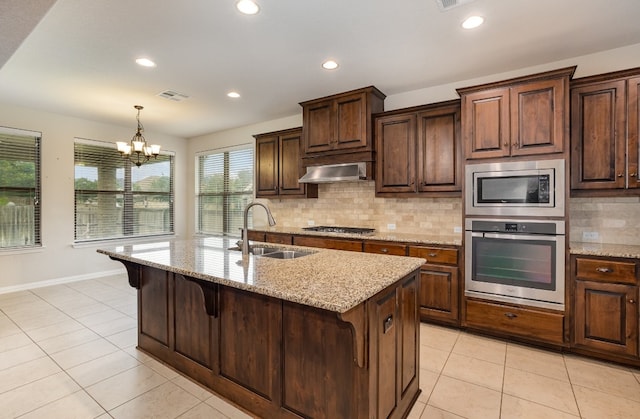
(525, 188)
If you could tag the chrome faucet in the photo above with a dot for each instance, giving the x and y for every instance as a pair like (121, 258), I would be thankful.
(245, 234)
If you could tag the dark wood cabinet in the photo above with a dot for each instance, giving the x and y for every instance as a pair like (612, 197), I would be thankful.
(419, 151)
(536, 325)
(606, 309)
(340, 124)
(439, 284)
(518, 117)
(279, 166)
(328, 243)
(604, 134)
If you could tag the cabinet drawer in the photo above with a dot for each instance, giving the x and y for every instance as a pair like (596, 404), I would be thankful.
(385, 248)
(279, 238)
(326, 243)
(435, 254)
(606, 270)
(529, 323)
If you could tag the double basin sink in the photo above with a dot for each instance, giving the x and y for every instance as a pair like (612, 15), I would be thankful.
(275, 253)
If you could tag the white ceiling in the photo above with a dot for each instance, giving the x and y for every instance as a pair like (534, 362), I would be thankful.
(79, 59)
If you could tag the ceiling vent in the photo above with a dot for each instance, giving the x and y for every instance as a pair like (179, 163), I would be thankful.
(445, 5)
(173, 95)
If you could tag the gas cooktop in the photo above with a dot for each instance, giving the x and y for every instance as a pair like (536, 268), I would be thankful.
(334, 229)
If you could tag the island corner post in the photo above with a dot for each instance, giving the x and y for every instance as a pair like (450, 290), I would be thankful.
(282, 359)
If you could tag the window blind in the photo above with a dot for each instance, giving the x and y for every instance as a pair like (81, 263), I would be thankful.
(224, 188)
(116, 199)
(19, 188)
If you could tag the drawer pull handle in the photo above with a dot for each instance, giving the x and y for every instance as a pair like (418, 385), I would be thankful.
(432, 255)
(511, 315)
(604, 270)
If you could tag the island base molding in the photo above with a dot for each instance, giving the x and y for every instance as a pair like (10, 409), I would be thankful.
(279, 359)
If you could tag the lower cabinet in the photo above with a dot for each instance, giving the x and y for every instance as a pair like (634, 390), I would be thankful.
(439, 284)
(606, 305)
(533, 324)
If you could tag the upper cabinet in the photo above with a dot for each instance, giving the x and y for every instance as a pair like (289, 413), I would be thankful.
(279, 166)
(340, 124)
(517, 117)
(605, 121)
(419, 151)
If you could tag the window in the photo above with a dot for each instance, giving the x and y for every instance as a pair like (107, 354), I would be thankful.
(19, 188)
(115, 199)
(224, 188)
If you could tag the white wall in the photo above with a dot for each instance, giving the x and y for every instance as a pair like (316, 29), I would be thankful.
(58, 260)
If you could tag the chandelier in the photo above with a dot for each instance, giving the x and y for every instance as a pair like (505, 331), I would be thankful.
(137, 151)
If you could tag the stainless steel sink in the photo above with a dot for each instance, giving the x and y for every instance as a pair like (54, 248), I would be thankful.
(286, 254)
(275, 253)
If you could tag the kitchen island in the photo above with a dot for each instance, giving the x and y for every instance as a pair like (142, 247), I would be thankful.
(332, 334)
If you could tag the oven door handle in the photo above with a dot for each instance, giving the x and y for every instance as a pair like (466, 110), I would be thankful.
(520, 236)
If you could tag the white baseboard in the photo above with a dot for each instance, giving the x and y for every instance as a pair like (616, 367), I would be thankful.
(58, 281)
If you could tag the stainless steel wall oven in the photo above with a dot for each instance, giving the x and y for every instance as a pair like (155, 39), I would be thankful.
(518, 261)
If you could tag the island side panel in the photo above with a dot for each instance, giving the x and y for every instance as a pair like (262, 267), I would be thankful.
(320, 377)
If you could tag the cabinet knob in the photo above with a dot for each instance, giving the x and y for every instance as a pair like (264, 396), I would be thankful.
(604, 270)
(632, 301)
(432, 255)
(511, 315)
(620, 174)
(514, 144)
(632, 174)
(384, 250)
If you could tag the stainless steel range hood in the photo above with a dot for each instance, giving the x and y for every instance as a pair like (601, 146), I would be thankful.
(346, 172)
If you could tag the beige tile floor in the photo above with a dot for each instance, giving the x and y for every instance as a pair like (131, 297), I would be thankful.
(68, 351)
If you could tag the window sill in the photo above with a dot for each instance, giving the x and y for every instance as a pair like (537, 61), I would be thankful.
(21, 250)
(119, 242)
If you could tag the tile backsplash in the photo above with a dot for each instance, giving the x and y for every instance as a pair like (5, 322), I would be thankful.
(605, 220)
(354, 204)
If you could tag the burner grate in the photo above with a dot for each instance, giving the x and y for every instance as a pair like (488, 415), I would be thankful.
(334, 229)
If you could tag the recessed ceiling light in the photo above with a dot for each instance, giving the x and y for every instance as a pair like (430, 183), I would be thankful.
(145, 62)
(473, 22)
(248, 7)
(330, 65)
(233, 94)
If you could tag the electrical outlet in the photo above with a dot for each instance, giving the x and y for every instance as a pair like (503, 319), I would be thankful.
(391, 226)
(457, 229)
(311, 223)
(590, 235)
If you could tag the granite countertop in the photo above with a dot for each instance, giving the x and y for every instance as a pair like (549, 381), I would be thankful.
(333, 280)
(418, 238)
(605, 249)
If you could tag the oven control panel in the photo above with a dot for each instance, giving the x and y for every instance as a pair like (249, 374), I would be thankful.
(515, 226)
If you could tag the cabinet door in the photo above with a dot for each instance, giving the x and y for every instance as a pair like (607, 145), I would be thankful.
(538, 117)
(633, 126)
(486, 123)
(318, 121)
(396, 148)
(439, 151)
(290, 165)
(409, 340)
(267, 166)
(385, 333)
(598, 136)
(606, 317)
(351, 121)
(439, 298)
